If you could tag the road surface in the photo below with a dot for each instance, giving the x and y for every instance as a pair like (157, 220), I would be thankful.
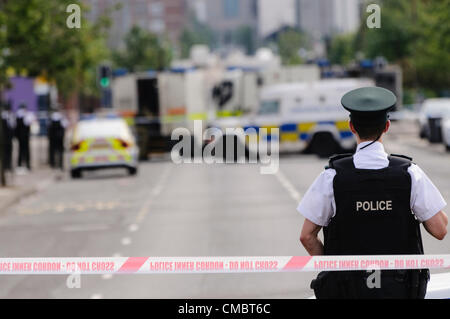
(180, 210)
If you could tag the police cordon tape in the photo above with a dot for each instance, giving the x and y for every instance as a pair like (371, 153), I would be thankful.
(199, 265)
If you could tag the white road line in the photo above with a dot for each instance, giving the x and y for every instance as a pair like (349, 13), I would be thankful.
(97, 296)
(295, 195)
(153, 194)
(81, 228)
(126, 241)
(133, 227)
(156, 191)
(107, 276)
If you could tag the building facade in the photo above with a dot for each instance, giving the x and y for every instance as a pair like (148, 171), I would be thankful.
(327, 17)
(274, 15)
(318, 18)
(162, 17)
(225, 17)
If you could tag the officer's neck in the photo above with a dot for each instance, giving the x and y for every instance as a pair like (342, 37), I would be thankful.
(359, 140)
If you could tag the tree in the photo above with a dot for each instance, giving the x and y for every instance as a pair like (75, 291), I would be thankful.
(143, 51)
(244, 36)
(40, 42)
(431, 54)
(414, 34)
(289, 43)
(3, 50)
(196, 33)
(342, 49)
(395, 39)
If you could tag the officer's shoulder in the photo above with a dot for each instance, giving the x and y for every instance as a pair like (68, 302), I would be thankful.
(400, 160)
(335, 158)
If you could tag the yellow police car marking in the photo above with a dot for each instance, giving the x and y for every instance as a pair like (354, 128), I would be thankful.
(289, 137)
(343, 126)
(305, 127)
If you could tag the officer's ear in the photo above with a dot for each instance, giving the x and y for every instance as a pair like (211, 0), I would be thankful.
(352, 128)
(388, 125)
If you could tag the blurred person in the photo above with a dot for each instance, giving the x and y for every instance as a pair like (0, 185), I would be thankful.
(24, 119)
(8, 126)
(370, 203)
(56, 132)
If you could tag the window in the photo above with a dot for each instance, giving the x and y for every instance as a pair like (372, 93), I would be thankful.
(231, 8)
(157, 25)
(269, 107)
(102, 129)
(157, 9)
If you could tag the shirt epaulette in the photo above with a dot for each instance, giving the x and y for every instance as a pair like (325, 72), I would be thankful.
(335, 158)
(403, 156)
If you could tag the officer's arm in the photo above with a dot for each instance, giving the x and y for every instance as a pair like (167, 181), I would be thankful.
(437, 225)
(309, 238)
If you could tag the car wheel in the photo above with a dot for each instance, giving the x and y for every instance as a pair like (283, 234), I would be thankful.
(75, 173)
(447, 148)
(132, 171)
(324, 145)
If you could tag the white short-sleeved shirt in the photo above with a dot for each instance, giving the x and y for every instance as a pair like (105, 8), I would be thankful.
(318, 204)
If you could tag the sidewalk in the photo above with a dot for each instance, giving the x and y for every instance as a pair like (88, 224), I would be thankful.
(21, 184)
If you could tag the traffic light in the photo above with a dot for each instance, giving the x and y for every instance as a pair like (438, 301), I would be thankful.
(105, 76)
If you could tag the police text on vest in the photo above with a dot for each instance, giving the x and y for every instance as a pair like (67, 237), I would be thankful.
(374, 206)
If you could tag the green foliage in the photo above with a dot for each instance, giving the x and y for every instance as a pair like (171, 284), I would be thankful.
(398, 33)
(3, 49)
(40, 42)
(342, 49)
(289, 43)
(244, 36)
(431, 54)
(197, 33)
(143, 51)
(414, 34)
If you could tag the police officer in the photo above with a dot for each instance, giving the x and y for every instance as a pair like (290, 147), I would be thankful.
(56, 132)
(370, 203)
(8, 126)
(24, 119)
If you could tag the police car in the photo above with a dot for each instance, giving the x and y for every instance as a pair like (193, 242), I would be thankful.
(445, 127)
(430, 118)
(102, 142)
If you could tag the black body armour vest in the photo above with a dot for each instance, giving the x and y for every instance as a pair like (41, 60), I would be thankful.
(373, 214)
(373, 217)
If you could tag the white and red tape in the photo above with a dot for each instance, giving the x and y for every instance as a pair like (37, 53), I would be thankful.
(196, 265)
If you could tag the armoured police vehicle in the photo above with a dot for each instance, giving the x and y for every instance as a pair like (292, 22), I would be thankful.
(308, 116)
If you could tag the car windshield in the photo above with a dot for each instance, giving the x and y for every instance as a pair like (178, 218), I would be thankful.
(102, 129)
(436, 108)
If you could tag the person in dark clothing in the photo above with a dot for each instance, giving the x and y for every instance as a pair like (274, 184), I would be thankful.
(8, 126)
(56, 132)
(371, 203)
(23, 124)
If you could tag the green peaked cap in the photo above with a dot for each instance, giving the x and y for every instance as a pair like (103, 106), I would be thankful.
(369, 104)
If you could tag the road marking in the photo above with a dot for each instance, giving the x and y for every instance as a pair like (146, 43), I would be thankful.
(126, 241)
(156, 191)
(67, 207)
(81, 228)
(97, 296)
(133, 227)
(288, 186)
(107, 276)
(153, 194)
